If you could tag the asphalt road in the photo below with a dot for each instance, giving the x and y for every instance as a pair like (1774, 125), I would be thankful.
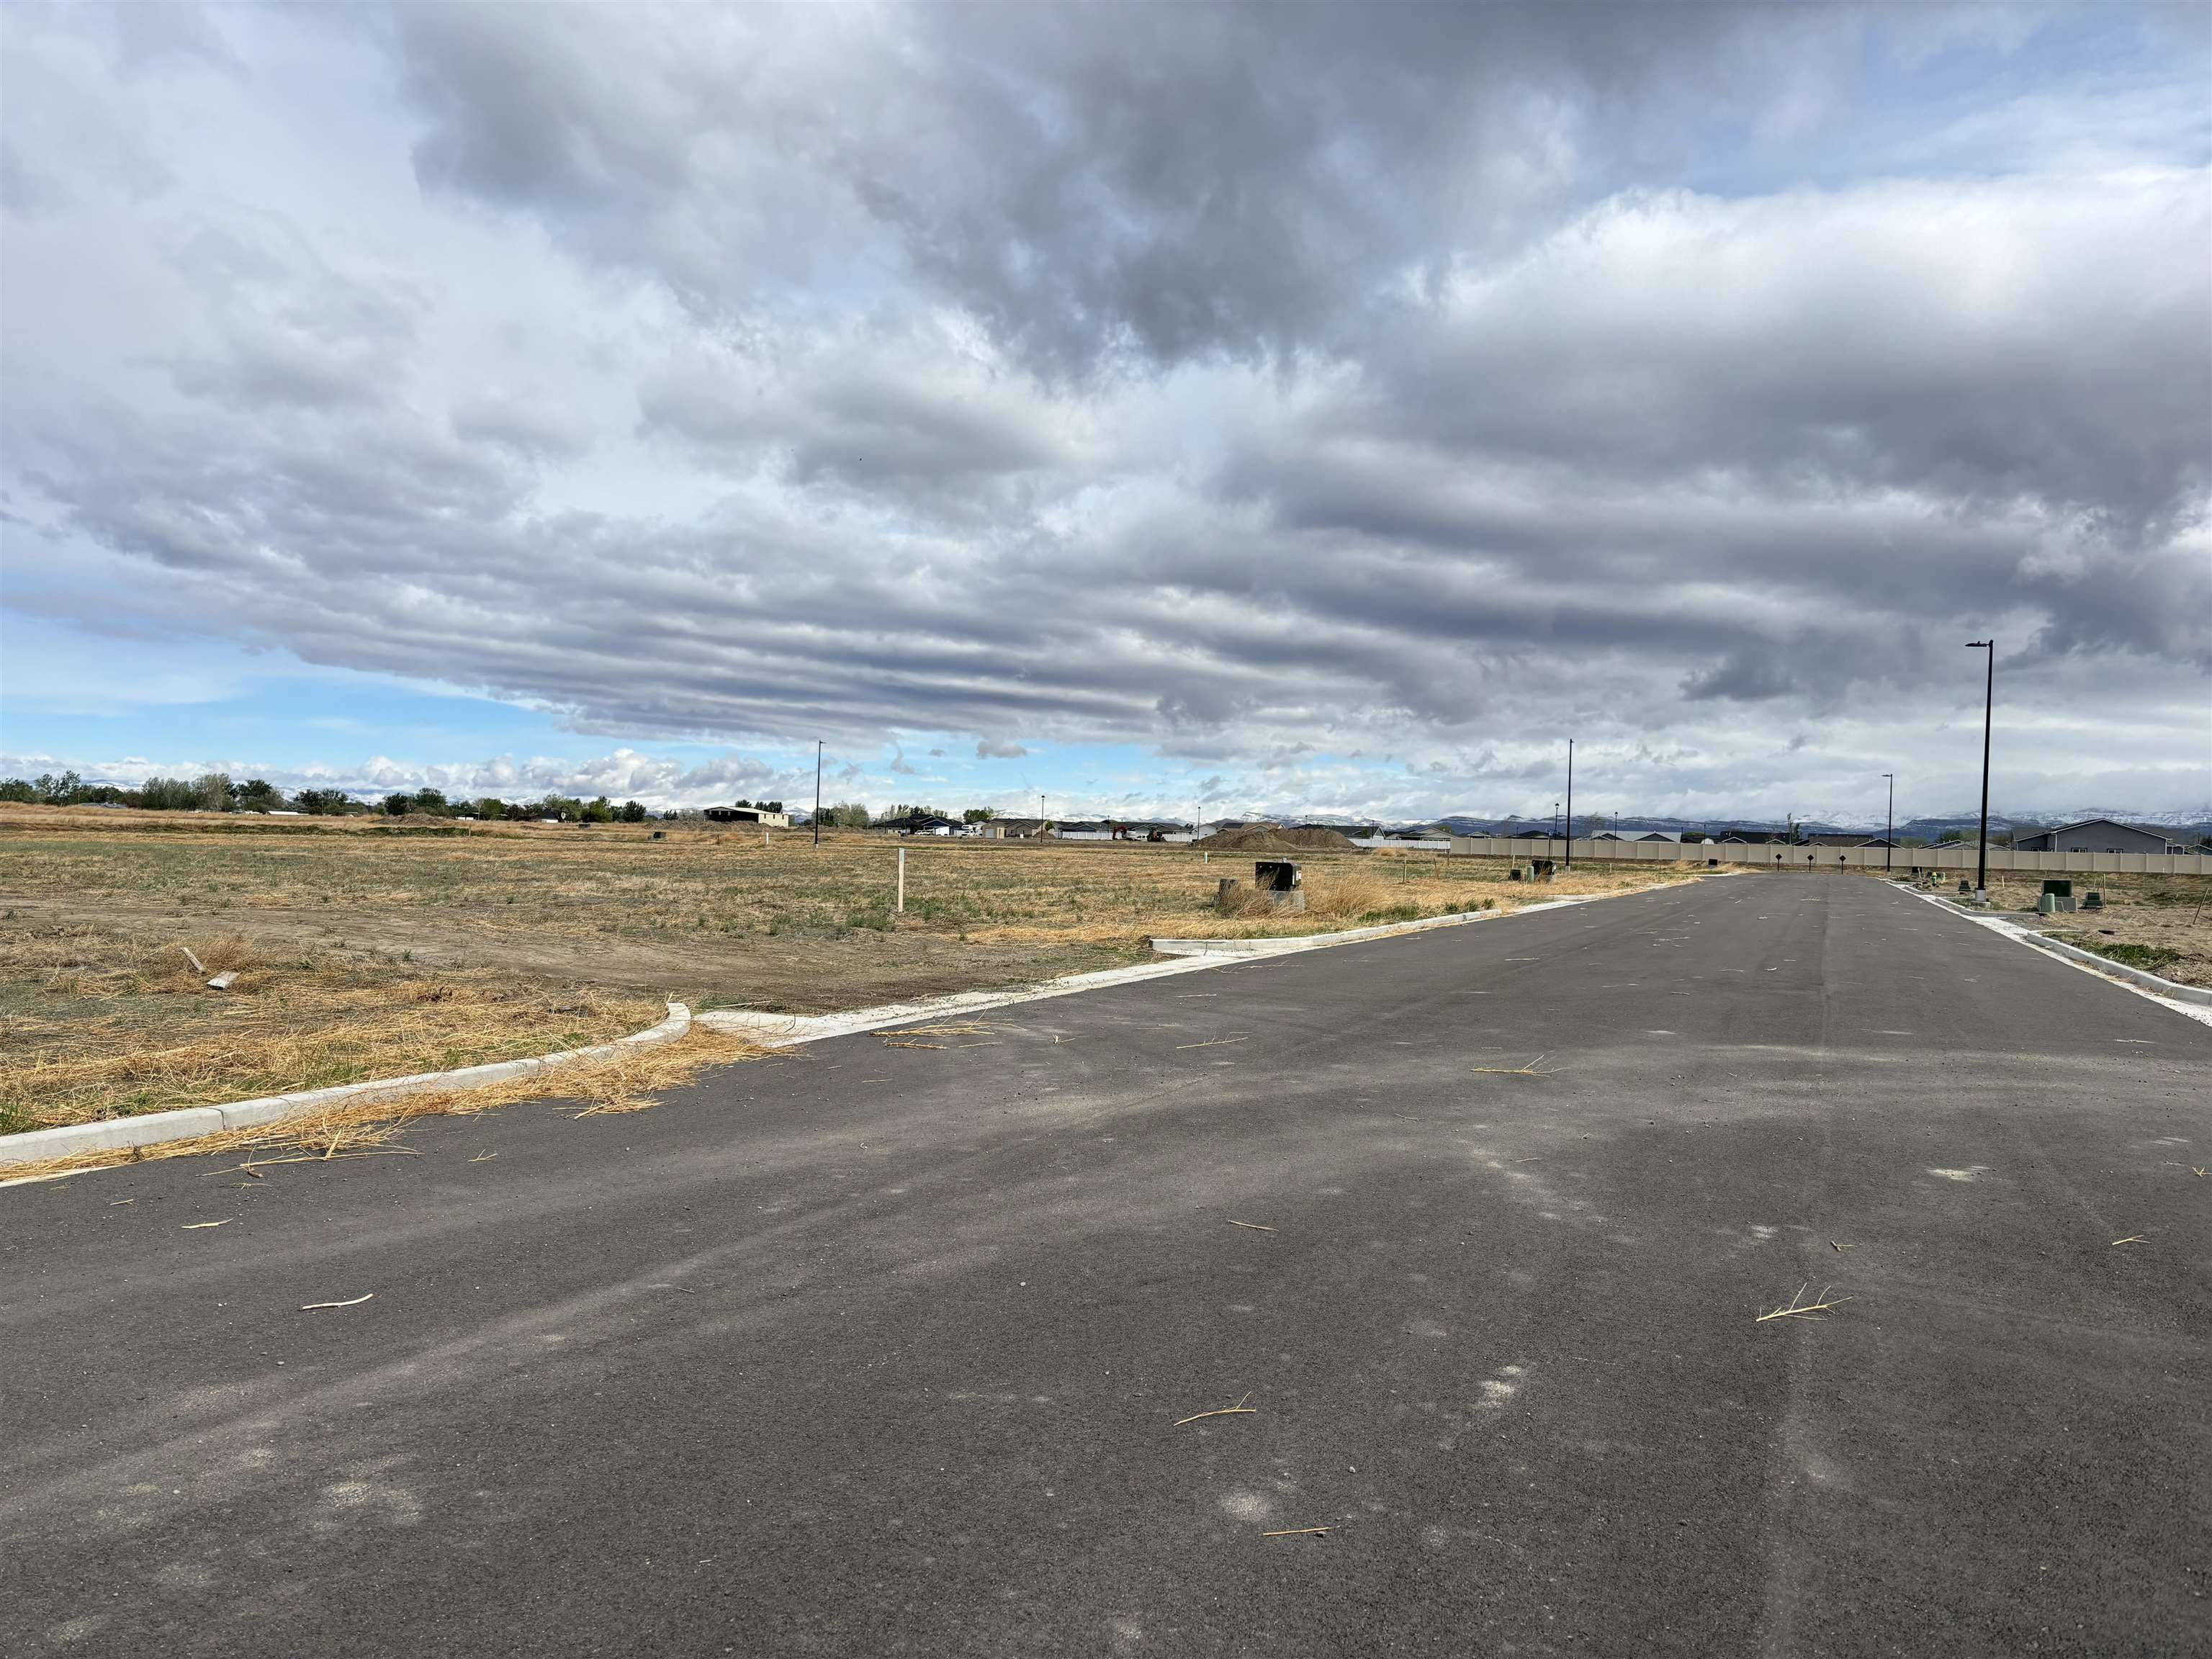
(881, 1349)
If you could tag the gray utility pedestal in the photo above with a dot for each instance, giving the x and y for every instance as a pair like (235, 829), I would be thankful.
(1282, 881)
(1278, 880)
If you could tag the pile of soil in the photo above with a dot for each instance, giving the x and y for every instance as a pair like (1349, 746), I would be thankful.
(1278, 841)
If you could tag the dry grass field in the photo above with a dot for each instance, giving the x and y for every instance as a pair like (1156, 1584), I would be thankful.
(372, 948)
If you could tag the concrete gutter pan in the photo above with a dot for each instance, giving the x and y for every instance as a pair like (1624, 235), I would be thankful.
(35, 1145)
(2192, 1001)
(1185, 955)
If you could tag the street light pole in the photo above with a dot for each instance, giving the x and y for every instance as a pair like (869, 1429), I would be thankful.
(1571, 803)
(1889, 832)
(1989, 710)
(817, 792)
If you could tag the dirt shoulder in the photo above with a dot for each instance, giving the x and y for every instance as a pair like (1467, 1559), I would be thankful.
(2162, 923)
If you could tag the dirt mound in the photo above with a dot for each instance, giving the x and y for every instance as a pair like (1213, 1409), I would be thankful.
(1278, 841)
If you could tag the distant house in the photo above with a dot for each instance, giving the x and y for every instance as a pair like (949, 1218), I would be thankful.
(2096, 836)
(1017, 829)
(1756, 838)
(1839, 838)
(918, 823)
(748, 815)
(1637, 835)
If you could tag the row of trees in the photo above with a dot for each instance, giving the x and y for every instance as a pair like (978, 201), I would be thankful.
(211, 792)
(851, 815)
(215, 792)
(570, 808)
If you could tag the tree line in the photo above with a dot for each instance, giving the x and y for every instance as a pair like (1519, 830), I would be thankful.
(217, 792)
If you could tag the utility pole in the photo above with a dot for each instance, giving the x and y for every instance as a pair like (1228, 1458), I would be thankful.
(817, 792)
(1889, 831)
(1571, 803)
(1988, 709)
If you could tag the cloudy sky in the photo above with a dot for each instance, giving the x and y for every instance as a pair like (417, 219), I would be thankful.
(1302, 409)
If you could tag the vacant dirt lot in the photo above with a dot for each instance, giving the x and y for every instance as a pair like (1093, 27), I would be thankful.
(2161, 923)
(372, 948)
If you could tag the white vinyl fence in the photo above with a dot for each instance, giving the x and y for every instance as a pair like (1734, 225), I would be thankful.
(1904, 860)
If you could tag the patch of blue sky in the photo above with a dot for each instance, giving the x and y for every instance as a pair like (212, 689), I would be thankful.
(2057, 88)
(93, 702)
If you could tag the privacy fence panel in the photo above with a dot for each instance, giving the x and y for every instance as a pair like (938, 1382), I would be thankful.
(1901, 859)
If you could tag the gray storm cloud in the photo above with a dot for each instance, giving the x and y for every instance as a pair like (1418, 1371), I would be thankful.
(1259, 385)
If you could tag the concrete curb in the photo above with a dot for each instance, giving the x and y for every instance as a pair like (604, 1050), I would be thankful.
(35, 1145)
(1188, 957)
(787, 1031)
(2149, 982)
(2182, 998)
(1276, 947)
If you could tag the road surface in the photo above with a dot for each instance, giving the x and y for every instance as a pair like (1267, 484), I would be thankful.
(881, 1346)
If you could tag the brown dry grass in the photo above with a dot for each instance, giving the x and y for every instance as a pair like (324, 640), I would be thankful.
(96, 1023)
(373, 949)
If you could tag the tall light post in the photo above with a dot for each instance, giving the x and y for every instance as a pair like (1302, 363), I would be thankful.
(817, 792)
(1555, 823)
(1989, 708)
(1889, 830)
(1571, 803)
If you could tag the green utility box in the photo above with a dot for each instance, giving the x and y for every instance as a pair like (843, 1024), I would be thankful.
(2057, 895)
